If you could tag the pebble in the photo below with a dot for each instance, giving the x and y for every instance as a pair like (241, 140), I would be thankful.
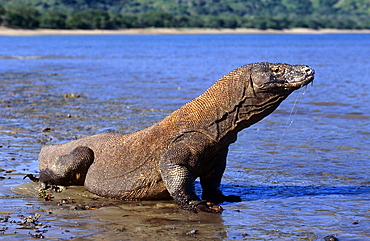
(192, 232)
(331, 238)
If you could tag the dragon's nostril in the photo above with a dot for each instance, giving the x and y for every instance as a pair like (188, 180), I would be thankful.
(309, 71)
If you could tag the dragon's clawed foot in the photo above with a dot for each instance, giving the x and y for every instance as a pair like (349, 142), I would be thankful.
(204, 206)
(209, 207)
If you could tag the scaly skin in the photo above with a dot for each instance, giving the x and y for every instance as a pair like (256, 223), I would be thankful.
(163, 160)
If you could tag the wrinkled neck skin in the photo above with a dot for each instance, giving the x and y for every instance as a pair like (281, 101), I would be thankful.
(250, 111)
(246, 111)
(227, 107)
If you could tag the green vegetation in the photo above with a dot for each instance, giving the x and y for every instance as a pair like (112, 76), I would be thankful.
(22, 16)
(111, 14)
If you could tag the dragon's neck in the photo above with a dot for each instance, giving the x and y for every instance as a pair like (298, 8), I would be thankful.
(224, 109)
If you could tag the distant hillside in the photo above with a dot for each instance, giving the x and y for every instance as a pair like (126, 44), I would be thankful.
(277, 14)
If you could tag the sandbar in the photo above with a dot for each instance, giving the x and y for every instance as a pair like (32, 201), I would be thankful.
(4, 31)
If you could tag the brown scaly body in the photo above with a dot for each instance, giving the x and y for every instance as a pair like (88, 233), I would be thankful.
(163, 160)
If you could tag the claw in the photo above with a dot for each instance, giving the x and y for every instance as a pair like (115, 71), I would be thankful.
(208, 207)
(31, 177)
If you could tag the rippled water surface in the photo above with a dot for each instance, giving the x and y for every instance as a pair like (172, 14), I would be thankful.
(302, 172)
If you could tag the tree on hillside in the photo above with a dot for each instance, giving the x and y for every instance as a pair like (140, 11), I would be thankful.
(324, 6)
(2, 12)
(157, 19)
(126, 21)
(347, 6)
(22, 16)
(53, 19)
(298, 7)
(90, 19)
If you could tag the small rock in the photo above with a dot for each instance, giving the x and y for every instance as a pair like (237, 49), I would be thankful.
(192, 232)
(47, 129)
(71, 95)
(37, 235)
(63, 201)
(120, 229)
(330, 238)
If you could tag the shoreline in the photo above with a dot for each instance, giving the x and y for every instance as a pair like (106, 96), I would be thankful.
(171, 31)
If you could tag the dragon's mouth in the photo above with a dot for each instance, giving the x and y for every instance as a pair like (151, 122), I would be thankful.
(292, 85)
(304, 81)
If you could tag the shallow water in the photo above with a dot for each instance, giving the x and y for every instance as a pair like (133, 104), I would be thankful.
(302, 172)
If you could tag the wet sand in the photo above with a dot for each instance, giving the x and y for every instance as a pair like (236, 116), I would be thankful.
(70, 214)
(29, 32)
(76, 214)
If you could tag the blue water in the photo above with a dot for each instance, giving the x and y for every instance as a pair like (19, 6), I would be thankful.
(313, 152)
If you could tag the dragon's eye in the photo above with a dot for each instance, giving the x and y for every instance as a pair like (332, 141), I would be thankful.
(277, 70)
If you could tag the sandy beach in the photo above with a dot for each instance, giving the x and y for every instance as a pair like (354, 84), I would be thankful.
(30, 32)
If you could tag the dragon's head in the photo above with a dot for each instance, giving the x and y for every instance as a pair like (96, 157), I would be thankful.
(280, 78)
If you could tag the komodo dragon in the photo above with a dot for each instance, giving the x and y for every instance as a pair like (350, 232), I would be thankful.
(163, 160)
